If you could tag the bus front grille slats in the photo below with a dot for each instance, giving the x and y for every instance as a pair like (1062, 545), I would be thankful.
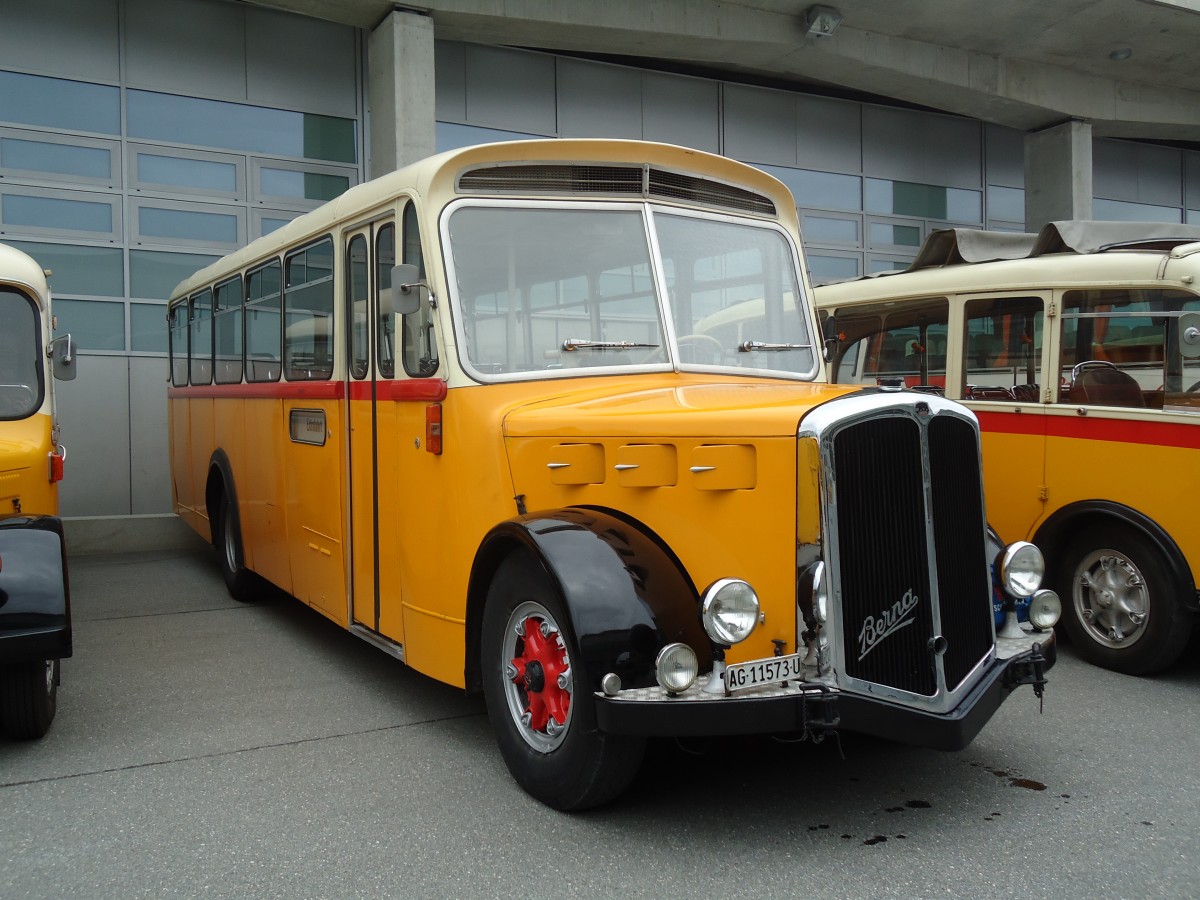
(884, 559)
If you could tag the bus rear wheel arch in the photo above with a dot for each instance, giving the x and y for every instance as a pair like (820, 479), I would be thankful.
(539, 703)
(1122, 607)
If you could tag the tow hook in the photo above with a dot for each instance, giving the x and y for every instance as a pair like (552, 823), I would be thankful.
(1032, 671)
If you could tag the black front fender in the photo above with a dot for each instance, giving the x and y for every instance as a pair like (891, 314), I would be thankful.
(625, 593)
(35, 598)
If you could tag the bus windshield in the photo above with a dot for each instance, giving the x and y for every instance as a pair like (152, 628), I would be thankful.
(540, 289)
(20, 359)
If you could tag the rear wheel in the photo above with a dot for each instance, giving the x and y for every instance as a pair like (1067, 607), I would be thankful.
(28, 698)
(240, 581)
(1121, 608)
(538, 701)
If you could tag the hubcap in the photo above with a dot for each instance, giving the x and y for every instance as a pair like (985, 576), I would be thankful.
(1111, 599)
(230, 545)
(537, 680)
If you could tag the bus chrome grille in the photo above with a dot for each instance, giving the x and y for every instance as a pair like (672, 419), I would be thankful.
(889, 562)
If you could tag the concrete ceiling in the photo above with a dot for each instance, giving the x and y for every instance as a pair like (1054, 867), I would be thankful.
(1026, 64)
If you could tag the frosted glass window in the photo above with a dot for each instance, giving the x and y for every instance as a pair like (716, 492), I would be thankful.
(823, 269)
(94, 324)
(301, 185)
(187, 225)
(928, 201)
(828, 230)
(1006, 203)
(1125, 211)
(239, 126)
(59, 103)
(898, 235)
(56, 213)
(148, 328)
(821, 189)
(201, 174)
(269, 225)
(154, 274)
(92, 271)
(54, 158)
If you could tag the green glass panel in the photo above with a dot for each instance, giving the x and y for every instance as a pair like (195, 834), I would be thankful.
(91, 271)
(94, 324)
(154, 274)
(147, 328)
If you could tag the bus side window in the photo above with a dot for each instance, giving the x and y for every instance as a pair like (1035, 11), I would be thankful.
(308, 310)
(419, 345)
(1002, 350)
(264, 313)
(227, 331)
(906, 343)
(178, 330)
(200, 346)
(385, 326)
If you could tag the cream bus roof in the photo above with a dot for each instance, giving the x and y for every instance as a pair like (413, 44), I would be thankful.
(22, 269)
(1068, 252)
(436, 180)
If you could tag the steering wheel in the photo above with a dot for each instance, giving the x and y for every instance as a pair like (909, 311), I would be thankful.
(692, 341)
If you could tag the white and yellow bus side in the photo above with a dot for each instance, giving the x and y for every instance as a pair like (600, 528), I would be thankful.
(35, 617)
(1076, 349)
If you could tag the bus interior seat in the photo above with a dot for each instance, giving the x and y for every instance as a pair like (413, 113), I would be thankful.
(1027, 393)
(1106, 386)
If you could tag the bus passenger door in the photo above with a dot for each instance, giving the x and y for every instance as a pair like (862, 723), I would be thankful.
(375, 588)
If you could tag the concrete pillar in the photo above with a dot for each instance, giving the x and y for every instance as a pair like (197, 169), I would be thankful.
(400, 99)
(1058, 174)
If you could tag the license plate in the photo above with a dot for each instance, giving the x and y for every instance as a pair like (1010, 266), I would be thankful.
(756, 673)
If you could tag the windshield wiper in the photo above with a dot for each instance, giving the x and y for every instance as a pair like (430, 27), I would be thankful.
(753, 346)
(580, 344)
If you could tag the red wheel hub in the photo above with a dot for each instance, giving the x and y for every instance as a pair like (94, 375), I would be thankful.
(540, 660)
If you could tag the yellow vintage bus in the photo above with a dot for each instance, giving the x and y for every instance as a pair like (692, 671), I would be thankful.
(1076, 348)
(35, 610)
(464, 411)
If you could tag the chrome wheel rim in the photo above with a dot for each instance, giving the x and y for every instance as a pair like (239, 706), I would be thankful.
(49, 676)
(1111, 599)
(536, 676)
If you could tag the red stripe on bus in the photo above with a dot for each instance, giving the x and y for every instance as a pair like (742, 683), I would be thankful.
(1122, 431)
(280, 390)
(427, 389)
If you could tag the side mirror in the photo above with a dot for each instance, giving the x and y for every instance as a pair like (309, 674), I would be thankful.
(1189, 335)
(829, 331)
(62, 356)
(406, 289)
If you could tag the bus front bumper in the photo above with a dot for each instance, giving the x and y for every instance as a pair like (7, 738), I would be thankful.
(815, 709)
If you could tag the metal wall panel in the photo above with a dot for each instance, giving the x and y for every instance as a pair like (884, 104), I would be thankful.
(149, 461)
(829, 134)
(450, 68)
(1138, 173)
(192, 47)
(925, 148)
(64, 38)
(510, 90)
(1004, 156)
(1191, 162)
(681, 110)
(597, 100)
(94, 413)
(759, 125)
(300, 63)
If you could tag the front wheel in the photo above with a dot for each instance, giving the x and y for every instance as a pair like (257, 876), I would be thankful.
(539, 703)
(239, 581)
(1121, 608)
(28, 699)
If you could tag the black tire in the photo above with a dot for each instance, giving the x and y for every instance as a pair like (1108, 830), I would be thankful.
(241, 583)
(568, 767)
(28, 699)
(1121, 609)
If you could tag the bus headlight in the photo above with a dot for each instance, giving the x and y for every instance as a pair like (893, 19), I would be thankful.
(729, 611)
(676, 668)
(1021, 567)
(1044, 610)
